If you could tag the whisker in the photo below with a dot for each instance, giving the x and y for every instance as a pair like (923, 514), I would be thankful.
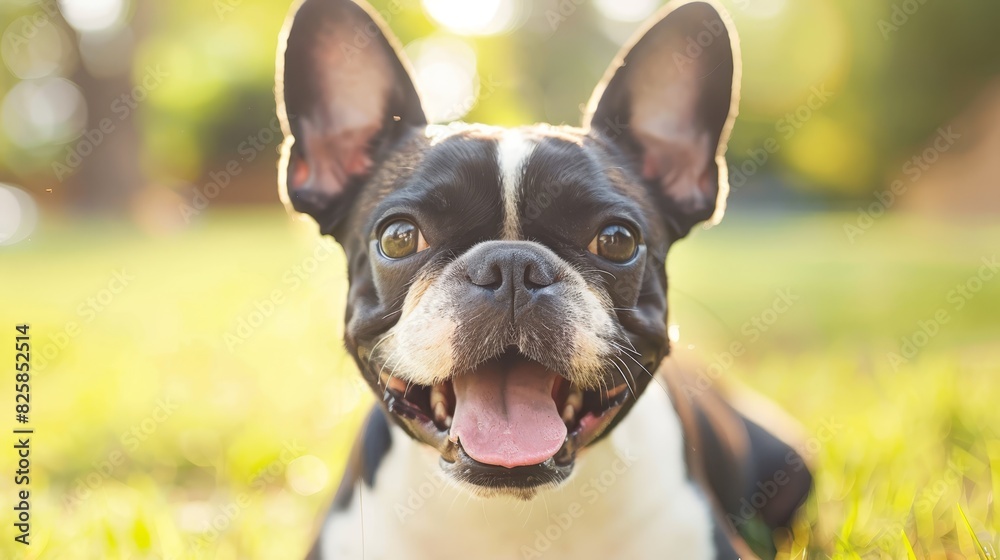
(623, 377)
(361, 504)
(634, 395)
(624, 308)
(623, 349)
(651, 376)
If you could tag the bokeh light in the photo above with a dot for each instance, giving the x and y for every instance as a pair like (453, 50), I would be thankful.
(307, 475)
(445, 72)
(626, 10)
(94, 15)
(46, 111)
(762, 9)
(481, 17)
(108, 53)
(42, 54)
(801, 48)
(18, 215)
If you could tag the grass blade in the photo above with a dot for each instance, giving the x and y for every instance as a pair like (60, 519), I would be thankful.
(979, 546)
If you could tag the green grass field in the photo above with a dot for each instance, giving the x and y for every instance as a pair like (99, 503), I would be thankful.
(191, 396)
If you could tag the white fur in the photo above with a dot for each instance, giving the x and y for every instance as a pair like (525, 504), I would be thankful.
(648, 509)
(513, 151)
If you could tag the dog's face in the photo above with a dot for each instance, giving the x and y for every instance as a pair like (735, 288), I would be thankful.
(507, 287)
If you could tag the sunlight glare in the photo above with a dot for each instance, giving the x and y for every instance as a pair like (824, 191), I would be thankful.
(763, 9)
(307, 475)
(46, 111)
(18, 215)
(626, 10)
(479, 17)
(445, 72)
(93, 15)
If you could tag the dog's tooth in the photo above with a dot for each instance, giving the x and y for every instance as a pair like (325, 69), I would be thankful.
(396, 384)
(575, 398)
(612, 393)
(437, 397)
(569, 414)
(440, 413)
(447, 422)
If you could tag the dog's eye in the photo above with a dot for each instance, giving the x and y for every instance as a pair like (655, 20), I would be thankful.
(616, 243)
(401, 238)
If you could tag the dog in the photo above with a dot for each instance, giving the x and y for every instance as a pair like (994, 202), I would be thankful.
(507, 305)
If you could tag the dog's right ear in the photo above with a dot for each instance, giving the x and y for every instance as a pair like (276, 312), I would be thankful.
(344, 95)
(669, 101)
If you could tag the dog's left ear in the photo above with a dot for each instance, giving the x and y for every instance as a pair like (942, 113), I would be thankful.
(669, 101)
(344, 95)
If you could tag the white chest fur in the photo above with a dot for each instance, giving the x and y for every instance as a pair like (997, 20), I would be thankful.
(628, 498)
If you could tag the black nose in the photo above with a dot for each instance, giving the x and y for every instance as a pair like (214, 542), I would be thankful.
(511, 273)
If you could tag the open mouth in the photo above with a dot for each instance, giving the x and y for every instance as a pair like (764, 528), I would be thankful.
(508, 414)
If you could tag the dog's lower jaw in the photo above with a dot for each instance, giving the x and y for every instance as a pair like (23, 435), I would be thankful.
(629, 497)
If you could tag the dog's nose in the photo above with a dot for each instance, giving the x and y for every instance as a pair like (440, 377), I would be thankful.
(511, 273)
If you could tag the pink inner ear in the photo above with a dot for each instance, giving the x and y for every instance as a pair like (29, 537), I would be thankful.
(662, 161)
(330, 160)
(299, 173)
(358, 163)
(654, 167)
(681, 166)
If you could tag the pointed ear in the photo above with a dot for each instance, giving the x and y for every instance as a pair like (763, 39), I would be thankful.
(344, 95)
(669, 101)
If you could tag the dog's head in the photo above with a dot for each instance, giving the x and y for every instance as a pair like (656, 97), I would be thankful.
(507, 295)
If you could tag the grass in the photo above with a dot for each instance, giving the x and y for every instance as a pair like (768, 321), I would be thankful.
(170, 421)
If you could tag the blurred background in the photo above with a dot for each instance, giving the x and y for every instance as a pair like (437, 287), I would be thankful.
(191, 395)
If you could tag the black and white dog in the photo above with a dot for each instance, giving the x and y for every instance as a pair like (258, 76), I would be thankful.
(507, 304)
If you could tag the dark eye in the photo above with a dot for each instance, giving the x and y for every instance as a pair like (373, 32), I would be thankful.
(401, 238)
(616, 243)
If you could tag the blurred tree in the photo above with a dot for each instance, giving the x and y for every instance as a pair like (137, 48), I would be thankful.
(848, 89)
(107, 180)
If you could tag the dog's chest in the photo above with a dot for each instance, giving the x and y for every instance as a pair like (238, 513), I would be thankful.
(629, 498)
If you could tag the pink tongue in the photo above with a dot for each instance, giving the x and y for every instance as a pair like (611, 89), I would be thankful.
(505, 416)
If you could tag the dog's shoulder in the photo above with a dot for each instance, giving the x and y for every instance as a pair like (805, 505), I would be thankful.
(756, 478)
(373, 443)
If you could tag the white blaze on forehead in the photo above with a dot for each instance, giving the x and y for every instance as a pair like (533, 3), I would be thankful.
(513, 149)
